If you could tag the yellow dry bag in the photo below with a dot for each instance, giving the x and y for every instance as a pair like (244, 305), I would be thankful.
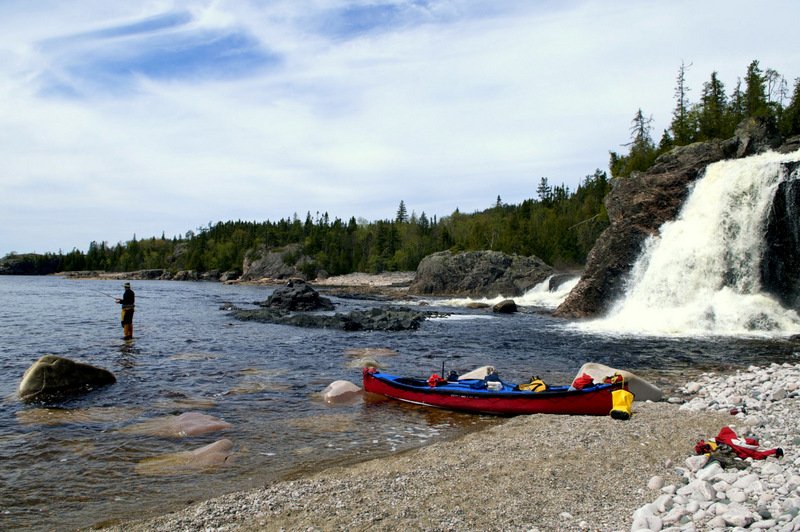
(621, 401)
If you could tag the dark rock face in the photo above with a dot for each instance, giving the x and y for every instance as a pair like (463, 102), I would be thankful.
(298, 297)
(477, 273)
(637, 207)
(376, 319)
(52, 377)
(780, 265)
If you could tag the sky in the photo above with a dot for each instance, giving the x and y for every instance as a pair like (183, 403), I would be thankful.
(162, 116)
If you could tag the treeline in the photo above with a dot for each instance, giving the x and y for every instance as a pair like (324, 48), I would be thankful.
(765, 93)
(560, 227)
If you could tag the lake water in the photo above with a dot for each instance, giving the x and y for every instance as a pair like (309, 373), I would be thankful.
(71, 467)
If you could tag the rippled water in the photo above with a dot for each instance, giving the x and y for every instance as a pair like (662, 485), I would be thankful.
(72, 467)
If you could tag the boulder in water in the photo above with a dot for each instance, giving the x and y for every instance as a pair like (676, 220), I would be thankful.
(211, 455)
(507, 306)
(340, 392)
(297, 297)
(52, 377)
(186, 424)
(640, 388)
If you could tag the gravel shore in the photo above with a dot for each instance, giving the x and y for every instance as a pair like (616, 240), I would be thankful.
(551, 473)
(538, 472)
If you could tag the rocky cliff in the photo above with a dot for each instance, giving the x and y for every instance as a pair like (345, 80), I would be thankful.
(637, 207)
(284, 263)
(780, 266)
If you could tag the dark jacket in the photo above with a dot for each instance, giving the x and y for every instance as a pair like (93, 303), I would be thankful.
(128, 298)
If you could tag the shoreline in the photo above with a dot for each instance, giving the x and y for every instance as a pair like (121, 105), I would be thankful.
(552, 473)
(538, 472)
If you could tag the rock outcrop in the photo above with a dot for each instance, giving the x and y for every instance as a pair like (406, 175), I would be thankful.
(376, 319)
(637, 207)
(283, 263)
(299, 297)
(478, 274)
(53, 377)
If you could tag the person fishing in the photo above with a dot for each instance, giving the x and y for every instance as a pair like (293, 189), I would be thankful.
(127, 301)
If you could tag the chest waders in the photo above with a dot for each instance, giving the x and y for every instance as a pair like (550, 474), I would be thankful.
(127, 322)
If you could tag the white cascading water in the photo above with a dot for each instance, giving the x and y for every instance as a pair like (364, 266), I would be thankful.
(701, 275)
(539, 296)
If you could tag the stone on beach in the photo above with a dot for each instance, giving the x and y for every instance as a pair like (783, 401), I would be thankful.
(54, 376)
(186, 424)
(756, 495)
(640, 388)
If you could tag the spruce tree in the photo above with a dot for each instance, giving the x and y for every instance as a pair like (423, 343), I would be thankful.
(755, 92)
(682, 129)
(714, 107)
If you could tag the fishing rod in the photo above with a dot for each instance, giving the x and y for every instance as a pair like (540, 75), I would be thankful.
(99, 292)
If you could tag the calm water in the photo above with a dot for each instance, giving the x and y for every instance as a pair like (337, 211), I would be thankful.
(70, 468)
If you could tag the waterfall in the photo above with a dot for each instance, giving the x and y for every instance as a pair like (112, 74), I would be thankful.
(701, 275)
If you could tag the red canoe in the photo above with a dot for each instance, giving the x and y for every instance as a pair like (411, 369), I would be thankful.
(473, 396)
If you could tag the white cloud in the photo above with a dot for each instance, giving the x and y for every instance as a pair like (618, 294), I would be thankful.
(440, 104)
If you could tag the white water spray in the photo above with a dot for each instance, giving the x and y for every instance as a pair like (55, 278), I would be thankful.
(539, 296)
(701, 275)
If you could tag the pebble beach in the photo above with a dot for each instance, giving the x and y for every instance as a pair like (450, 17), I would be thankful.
(555, 473)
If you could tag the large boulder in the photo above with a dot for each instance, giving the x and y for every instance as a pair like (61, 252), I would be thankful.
(52, 377)
(279, 263)
(478, 274)
(641, 389)
(298, 297)
(780, 265)
(638, 205)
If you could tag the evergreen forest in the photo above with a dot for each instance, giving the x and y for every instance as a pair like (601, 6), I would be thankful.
(559, 225)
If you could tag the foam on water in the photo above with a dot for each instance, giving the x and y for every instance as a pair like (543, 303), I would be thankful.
(538, 296)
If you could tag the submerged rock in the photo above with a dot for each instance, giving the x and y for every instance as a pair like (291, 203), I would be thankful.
(186, 424)
(52, 377)
(211, 455)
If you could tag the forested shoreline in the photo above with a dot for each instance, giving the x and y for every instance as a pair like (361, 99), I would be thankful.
(559, 226)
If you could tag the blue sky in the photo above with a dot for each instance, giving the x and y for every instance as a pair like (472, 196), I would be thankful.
(151, 117)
